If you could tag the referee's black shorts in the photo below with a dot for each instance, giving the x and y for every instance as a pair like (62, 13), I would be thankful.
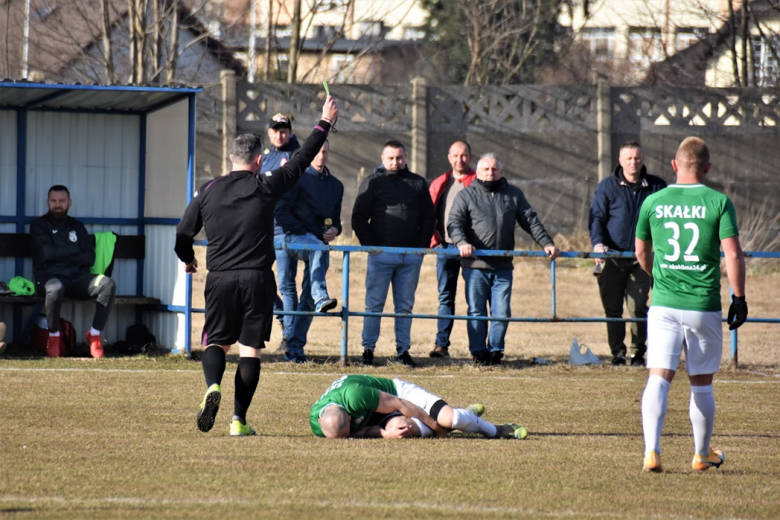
(239, 307)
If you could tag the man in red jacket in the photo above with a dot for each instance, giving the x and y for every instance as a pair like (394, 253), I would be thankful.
(443, 190)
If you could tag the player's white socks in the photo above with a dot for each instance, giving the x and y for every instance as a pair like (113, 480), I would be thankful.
(94, 332)
(467, 421)
(654, 402)
(702, 413)
(424, 430)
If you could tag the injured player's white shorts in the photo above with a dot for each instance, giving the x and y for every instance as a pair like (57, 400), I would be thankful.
(415, 394)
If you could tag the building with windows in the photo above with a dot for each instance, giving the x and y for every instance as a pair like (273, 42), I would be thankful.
(678, 42)
(347, 41)
(623, 38)
(736, 55)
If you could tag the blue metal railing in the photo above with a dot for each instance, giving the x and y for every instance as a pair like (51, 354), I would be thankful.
(345, 313)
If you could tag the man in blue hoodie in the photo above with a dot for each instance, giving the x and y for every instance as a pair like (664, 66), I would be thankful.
(310, 213)
(283, 144)
(612, 223)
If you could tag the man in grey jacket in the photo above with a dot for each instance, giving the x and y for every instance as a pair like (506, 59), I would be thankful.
(483, 217)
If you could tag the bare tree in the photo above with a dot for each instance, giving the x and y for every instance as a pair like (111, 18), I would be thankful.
(269, 36)
(173, 41)
(108, 54)
(294, 51)
(503, 35)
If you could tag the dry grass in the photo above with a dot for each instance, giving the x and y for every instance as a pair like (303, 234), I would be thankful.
(117, 439)
(577, 296)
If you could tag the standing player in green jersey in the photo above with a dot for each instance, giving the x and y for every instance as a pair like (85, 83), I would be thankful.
(347, 408)
(685, 225)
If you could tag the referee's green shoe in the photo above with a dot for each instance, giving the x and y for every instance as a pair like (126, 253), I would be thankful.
(239, 429)
(209, 408)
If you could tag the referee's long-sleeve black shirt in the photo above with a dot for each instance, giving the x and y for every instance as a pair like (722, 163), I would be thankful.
(237, 211)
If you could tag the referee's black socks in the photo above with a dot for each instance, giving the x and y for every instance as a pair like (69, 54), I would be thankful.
(213, 361)
(247, 377)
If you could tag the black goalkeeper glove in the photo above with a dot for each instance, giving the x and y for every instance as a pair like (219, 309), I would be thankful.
(738, 312)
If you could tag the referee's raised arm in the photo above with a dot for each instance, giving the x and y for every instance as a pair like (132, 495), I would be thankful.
(282, 179)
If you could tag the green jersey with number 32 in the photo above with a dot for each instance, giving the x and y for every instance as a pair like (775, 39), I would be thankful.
(358, 395)
(686, 223)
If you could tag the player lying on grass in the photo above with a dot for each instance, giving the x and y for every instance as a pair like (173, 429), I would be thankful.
(396, 426)
(353, 405)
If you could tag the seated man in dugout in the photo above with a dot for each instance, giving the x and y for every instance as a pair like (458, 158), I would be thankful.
(63, 255)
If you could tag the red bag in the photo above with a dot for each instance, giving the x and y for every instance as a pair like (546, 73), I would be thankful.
(40, 338)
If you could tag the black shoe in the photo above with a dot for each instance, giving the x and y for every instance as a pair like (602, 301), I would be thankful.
(481, 358)
(495, 357)
(440, 352)
(367, 359)
(406, 359)
(300, 359)
(618, 360)
(638, 361)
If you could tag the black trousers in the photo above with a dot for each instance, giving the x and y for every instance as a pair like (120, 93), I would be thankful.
(623, 280)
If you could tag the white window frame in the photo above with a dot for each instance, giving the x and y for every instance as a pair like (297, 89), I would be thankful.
(599, 42)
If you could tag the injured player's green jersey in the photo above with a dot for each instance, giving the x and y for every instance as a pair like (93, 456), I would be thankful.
(357, 395)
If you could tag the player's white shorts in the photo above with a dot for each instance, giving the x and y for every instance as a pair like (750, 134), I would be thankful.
(700, 333)
(415, 394)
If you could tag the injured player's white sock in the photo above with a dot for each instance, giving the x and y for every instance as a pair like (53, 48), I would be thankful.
(654, 402)
(467, 421)
(424, 430)
(702, 411)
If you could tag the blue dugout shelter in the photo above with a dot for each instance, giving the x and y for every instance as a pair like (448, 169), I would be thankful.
(127, 154)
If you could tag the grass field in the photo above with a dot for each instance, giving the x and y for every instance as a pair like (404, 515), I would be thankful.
(116, 438)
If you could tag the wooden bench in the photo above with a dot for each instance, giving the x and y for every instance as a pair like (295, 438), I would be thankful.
(132, 247)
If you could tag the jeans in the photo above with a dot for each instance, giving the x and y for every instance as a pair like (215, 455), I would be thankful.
(313, 286)
(624, 280)
(403, 271)
(447, 271)
(485, 286)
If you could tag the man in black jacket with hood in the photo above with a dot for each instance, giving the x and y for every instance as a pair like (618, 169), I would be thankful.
(612, 223)
(393, 209)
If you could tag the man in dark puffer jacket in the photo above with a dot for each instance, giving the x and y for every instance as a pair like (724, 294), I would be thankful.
(393, 208)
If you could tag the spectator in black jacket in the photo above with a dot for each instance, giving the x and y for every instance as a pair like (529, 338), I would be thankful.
(612, 223)
(237, 211)
(483, 216)
(393, 209)
(63, 255)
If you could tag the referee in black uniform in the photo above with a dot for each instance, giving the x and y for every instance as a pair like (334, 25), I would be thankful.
(237, 211)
